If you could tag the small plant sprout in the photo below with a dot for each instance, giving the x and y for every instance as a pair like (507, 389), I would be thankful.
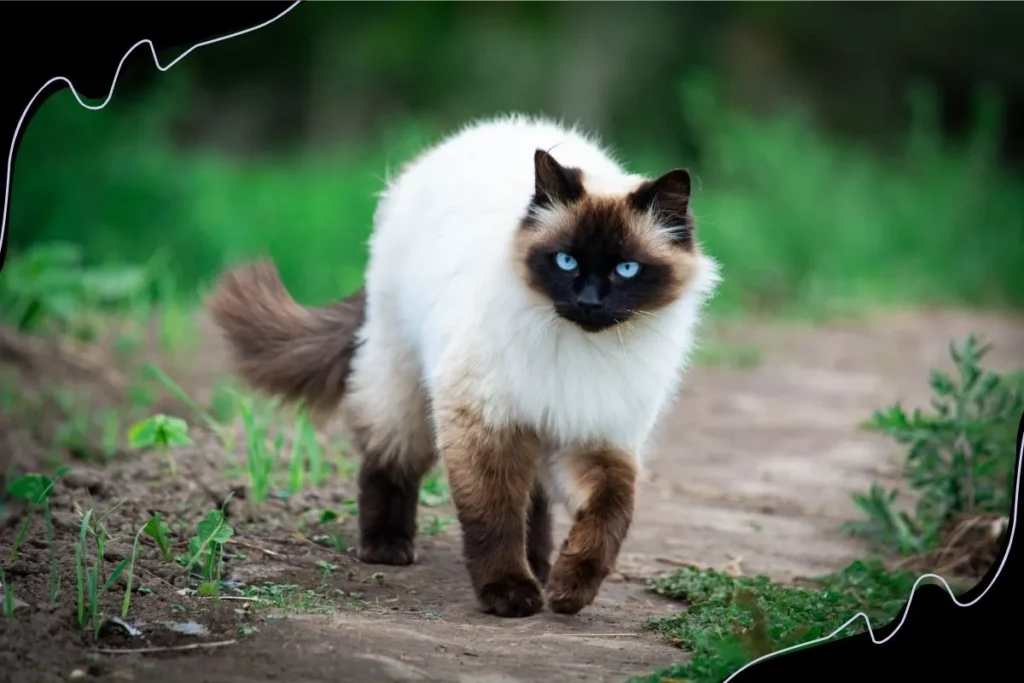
(158, 530)
(89, 583)
(8, 588)
(222, 431)
(259, 458)
(35, 489)
(327, 521)
(306, 433)
(206, 550)
(162, 432)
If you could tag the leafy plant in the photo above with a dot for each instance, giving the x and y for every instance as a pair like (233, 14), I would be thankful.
(163, 433)
(960, 456)
(206, 550)
(158, 530)
(35, 489)
(222, 430)
(327, 522)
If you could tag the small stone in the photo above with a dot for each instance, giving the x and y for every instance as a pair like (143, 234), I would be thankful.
(76, 674)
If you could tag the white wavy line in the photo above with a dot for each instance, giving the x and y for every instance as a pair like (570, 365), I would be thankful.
(156, 62)
(906, 611)
(110, 93)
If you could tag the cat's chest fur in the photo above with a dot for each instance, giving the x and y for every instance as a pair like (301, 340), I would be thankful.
(572, 387)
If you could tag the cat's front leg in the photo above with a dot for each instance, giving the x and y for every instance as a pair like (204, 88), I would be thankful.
(605, 483)
(490, 473)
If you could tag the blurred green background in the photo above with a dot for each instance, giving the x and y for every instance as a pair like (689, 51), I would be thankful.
(846, 155)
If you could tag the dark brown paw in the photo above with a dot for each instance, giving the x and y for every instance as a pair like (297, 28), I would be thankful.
(573, 585)
(397, 553)
(512, 597)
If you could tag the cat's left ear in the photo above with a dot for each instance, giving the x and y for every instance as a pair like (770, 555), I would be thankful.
(669, 197)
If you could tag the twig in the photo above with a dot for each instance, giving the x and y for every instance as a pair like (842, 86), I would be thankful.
(272, 553)
(175, 648)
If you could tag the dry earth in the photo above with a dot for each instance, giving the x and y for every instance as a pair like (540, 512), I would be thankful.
(753, 473)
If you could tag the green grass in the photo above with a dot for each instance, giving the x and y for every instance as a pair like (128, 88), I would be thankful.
(801, 222)
(731, 621)
(91, 580)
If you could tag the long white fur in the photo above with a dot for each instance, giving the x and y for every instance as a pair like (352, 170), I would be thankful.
(448, 312)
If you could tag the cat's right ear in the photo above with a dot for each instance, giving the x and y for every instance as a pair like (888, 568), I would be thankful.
(554, 183)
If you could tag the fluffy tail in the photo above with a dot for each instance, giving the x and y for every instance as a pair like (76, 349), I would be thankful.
(282, 348)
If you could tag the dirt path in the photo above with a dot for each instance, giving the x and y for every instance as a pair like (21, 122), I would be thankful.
(753, 473)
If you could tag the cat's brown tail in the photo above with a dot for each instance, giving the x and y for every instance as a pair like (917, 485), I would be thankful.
(283, 348)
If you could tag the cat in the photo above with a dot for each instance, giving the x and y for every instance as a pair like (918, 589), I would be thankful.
(527, 314)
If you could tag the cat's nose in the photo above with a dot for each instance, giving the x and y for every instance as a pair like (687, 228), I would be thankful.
(588, 298)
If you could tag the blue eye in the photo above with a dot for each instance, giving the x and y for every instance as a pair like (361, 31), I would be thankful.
(564, 261)
(627, 269)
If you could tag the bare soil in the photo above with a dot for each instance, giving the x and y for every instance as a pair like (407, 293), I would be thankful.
(753, 475)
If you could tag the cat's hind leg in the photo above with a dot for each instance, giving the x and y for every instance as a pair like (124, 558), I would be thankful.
(386, 413)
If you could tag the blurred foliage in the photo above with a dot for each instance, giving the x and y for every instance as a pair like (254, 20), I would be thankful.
(48, 286)
(279, 141)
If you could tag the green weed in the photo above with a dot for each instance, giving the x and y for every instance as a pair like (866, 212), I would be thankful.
(206, 551)
(90, 584)
(305, 450)
(35, 489)
(222, 431)
(960, 455)
(158, 530)
(8, 587)
(259, 457)
(328, 524)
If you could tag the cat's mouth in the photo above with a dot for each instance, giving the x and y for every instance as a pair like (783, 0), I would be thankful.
(591, 321)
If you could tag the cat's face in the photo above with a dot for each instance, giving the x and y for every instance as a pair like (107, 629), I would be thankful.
(605, 259)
